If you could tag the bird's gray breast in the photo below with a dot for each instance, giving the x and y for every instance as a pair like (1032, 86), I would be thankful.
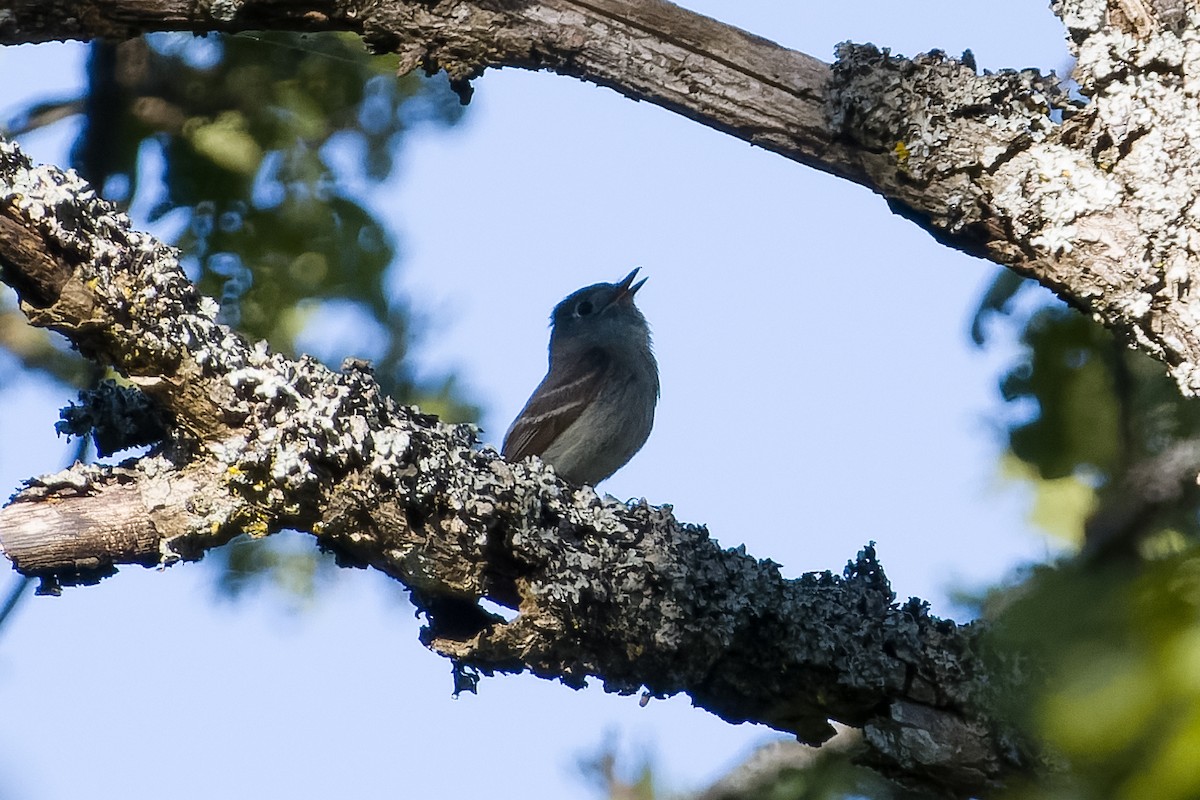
(608, 432)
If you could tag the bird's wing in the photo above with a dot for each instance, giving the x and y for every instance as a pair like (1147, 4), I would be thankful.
(557, 402)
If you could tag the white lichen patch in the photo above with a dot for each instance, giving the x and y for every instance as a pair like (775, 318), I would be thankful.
(39, 191)
(1144, 121)
(225, 11)
(942, 124)
(1081, 15)
(267, 384)
(1134, 305)
(390, 455)
(591, 511)
(1046, 189)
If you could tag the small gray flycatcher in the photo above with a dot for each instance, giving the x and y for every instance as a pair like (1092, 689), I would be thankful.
(595, 407)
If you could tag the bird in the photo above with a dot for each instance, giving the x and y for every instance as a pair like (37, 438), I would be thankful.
(594, 409)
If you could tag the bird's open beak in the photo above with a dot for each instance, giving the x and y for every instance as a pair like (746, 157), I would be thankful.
(626, 289)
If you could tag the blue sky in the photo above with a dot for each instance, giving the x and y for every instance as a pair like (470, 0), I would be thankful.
(819, 391)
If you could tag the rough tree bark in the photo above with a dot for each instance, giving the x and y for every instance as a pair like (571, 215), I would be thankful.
(1094, 197)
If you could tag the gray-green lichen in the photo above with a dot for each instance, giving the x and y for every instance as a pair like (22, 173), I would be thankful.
(1093, 191)
(1145, 128)
(937, 122)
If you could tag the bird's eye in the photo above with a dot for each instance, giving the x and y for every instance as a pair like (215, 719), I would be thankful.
(583, 309)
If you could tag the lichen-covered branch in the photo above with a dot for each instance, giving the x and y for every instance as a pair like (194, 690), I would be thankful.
(1093, 192)
(1094, 196)
(620, 592)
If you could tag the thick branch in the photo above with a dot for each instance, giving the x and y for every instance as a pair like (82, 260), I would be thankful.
(621, 592)
(1097, 207)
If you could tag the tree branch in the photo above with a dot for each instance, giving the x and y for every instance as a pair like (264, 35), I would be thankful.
(620, 592)
(1093, 197)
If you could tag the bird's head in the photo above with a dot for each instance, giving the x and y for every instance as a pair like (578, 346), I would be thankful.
(602, 315)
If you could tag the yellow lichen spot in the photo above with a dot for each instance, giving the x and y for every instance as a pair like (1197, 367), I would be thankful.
(902, 152)
(1066, 173)
(233, 471)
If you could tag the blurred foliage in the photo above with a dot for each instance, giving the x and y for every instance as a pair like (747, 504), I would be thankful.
(617, 776)
(1119, 703)
(783, 769)
(250, 153)
(1101, 433)
(1111, 636)
(286, 562)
